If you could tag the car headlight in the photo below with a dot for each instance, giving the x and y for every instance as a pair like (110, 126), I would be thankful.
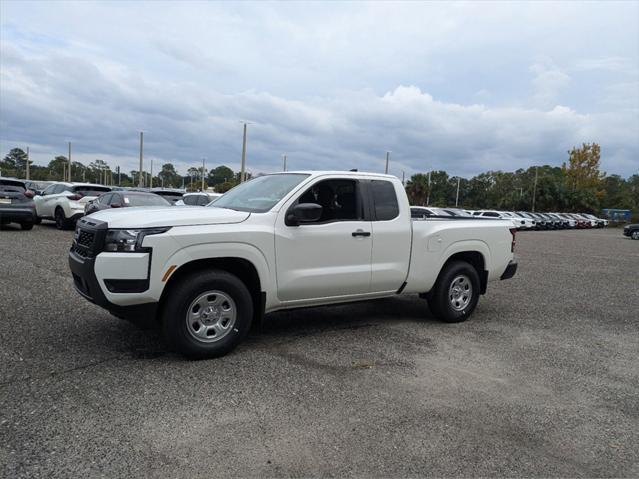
(129, 241)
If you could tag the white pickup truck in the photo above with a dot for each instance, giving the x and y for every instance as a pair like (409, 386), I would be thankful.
(280, 241)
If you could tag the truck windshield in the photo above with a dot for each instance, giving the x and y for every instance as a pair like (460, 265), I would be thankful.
(260, 194)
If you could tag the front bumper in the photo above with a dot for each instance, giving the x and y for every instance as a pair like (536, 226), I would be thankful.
(510, 271)
(82, 260)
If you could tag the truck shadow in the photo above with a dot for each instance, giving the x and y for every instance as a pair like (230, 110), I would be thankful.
(309, 321)
(145, 342)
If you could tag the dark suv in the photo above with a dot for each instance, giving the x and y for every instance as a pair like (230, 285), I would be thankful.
(16, 203)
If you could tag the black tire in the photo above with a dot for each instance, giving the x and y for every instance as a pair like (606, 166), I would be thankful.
(439, 300)
(37, 220)
(176, 329)
(26, 226)
(635, 235)
(61, 222)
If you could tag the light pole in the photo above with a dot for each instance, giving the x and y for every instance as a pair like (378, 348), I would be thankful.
(284, 157)
(27, 169)
(457, 195)
(141, 176)
(151, 178)
(428, 195)
(534, 191)
(387, 160)
(69, 162)
(243, 169)
(203, 159)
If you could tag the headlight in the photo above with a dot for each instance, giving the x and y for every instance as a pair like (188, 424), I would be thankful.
(128, 241)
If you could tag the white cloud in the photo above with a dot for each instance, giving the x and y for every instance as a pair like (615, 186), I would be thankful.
(441, 85)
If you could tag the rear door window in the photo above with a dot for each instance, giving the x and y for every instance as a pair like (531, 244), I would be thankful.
(12, 186)
(384, 200)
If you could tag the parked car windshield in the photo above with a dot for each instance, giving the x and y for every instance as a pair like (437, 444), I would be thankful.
(260, 194)
(145, 200)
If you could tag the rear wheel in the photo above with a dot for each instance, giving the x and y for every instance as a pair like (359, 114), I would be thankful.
(456, 292)
(26, 226)
(61, 222)
(207, 314)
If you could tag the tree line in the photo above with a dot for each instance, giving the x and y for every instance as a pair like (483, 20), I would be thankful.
(222, 178)
(577, 185)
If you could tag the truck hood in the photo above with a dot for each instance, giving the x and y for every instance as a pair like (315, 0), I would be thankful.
(150, 217)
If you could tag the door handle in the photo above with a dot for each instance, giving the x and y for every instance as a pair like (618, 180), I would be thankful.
(361, 233)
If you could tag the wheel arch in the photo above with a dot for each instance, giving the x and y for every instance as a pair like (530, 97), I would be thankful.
(476, 259)
(244, 269)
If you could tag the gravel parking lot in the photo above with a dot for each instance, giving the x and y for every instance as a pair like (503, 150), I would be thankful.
(543, 381)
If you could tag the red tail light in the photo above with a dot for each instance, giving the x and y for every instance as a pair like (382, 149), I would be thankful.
(29, 194)
(75, 197)
(513, 231)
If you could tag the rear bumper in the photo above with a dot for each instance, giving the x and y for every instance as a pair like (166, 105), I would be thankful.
(17, 215)
(510, 271)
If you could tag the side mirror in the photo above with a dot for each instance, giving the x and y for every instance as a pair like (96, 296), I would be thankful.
(303, 213)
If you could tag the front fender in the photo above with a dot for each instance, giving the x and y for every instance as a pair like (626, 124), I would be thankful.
(188, 254)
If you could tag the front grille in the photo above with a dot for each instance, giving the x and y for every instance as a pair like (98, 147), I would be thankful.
(81, 250)
(85, 238)
(84, 243)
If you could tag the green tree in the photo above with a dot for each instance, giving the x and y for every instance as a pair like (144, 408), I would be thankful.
(15, 163)
(220, 175)
(417, 189)
(169, 176)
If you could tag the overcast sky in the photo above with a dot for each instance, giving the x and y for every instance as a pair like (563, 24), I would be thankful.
(464, 87)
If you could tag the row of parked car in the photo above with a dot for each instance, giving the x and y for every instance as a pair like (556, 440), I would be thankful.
(522, 220)
(28, 202)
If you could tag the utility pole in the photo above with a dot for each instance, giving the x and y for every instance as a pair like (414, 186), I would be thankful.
(205, 159)
(141, 176)
(84, 176)
(64, 172)
(428, 195)
(284, 156)
(534, 191)
(69, 162)
(119, 177)
(27, 172)
(403, 178)
(387, 160)
(243, 170)
(457, 196)
(151, 179)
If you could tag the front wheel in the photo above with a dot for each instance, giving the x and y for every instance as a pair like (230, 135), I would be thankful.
(456, 292)
(635, 235)
(26, 226)
(207, 314)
